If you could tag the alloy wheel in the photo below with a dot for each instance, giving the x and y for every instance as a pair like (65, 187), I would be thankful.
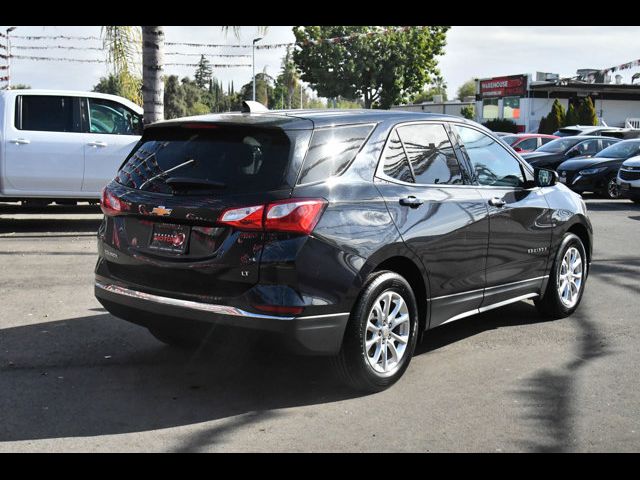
(570, 277)
(387, 334)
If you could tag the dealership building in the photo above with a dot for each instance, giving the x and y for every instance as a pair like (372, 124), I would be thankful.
(526, 98)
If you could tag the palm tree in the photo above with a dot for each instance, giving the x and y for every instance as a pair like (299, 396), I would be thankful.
(152, 69)
(124, 44)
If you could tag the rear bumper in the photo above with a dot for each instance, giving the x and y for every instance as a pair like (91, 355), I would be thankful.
(311, 335)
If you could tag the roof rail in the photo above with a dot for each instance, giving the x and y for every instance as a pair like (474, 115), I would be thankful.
(249, 106)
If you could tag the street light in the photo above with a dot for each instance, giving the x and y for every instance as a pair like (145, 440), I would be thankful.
(253, 51)
(9, 30)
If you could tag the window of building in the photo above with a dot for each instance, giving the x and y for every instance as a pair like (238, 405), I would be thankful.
(511, 107)
(490, 108)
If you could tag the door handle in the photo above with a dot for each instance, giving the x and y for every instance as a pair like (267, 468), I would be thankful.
(411, 201)
(497, 202)
(97, 144)
(20, 141)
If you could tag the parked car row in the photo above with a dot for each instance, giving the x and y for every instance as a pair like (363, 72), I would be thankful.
(587, 159)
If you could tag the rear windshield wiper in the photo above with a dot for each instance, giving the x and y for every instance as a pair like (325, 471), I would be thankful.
(162, 174)
(187, 183)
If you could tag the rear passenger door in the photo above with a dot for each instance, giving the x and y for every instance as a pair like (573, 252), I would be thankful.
(112, 132)
(441, 217)
(44, 151)
(519, 218)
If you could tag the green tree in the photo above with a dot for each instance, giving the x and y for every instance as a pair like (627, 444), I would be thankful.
(467, 89)
(556, 118)
(382, 69)
(501, 125)
(587, 112)
(175, 105)
(468, 112)
(264, 90)
(123, 44)
(572, 116)
(543, 128)
(204, 72)
(438, 87)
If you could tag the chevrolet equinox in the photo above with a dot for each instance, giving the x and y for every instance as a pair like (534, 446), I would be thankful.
(348, 233)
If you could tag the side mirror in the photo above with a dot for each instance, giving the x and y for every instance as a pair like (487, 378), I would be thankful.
(517, 149)
(545, 177)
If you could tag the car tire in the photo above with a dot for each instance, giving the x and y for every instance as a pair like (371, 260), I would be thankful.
(636, 200)
(612, 189)
(374, 334)
(558, 302)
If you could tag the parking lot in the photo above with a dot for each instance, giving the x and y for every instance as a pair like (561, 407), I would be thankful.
(74, 378)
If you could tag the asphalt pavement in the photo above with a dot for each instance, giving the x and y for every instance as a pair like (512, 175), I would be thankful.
(74, 378)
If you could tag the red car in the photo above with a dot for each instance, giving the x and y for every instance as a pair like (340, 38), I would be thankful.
(527, 142)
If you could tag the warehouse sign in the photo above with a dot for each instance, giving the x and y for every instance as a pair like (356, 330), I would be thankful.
(515, 85)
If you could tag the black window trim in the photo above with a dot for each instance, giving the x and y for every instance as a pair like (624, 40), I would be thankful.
(379, 171)
(348, 165)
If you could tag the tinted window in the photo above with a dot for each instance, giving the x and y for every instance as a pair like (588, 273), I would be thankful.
(528, 144)
(587, 148)
(110, 117)
(546, 140)
(396, 164)
(560, 145)
(431, 154)
(236, 159)
(492, 164)
(46, 113)
(331, 150)
(624, 149)
(510, 139)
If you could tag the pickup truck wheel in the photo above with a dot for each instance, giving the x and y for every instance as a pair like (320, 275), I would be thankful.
(381, 334)
(612, 190)
(566, 279)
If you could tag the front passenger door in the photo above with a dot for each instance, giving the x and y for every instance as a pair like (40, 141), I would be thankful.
(519, 218)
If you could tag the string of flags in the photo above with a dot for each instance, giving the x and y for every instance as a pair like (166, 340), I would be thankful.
(90, 60)
(624, 66)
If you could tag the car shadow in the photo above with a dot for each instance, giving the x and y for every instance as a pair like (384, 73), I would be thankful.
(98, 375)
(611, 205)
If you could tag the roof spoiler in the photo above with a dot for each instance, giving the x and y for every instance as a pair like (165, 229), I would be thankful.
(253, 107)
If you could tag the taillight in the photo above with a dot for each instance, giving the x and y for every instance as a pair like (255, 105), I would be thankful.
(293, 215)
(248, 218)
(112, 205)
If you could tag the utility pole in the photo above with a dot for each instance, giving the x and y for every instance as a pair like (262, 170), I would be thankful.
(9, 30)
(253, 52)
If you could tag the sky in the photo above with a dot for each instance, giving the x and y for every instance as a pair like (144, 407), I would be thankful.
(471, 52)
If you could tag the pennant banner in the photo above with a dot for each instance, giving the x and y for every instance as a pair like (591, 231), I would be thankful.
(624, 66)
(4, 67)
(51, 47)
(239, 55)
(4, 79)
(53, 37)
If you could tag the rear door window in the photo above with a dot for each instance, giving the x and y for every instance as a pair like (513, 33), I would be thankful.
(331, 150)
(431, 154)
(224, 159)
(47, 113)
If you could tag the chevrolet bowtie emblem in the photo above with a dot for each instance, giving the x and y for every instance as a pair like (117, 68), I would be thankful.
(161, 211)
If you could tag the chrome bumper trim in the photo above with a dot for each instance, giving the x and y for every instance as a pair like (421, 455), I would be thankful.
(204, 307)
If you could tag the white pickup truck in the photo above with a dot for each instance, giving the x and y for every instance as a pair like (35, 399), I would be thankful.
(63, 146)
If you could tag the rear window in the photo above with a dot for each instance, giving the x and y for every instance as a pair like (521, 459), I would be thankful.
(224, 159)
(331, 150)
